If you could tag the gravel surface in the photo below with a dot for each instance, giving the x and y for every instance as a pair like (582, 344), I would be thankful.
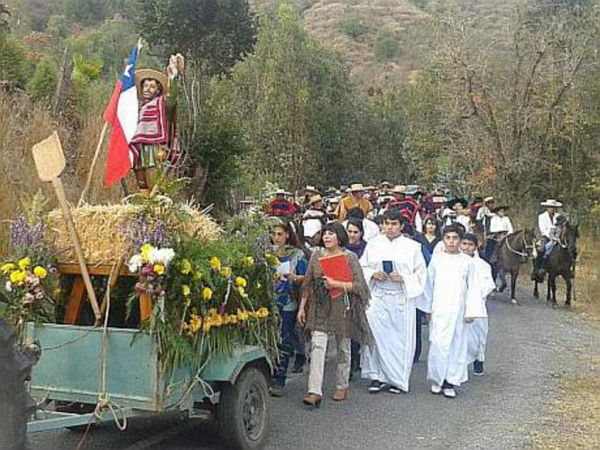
(530, 348)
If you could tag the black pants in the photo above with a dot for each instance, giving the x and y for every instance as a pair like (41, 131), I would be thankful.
(419, 345)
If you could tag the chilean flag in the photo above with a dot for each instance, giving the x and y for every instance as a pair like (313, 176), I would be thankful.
(122, 114)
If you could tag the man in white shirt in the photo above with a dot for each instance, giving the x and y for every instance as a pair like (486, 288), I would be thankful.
(549, 224)
(500, 227)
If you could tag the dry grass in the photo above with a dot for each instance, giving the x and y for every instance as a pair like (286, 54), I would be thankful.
(574, 420)
(100, 229)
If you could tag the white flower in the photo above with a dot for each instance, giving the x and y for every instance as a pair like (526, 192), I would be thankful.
(163, 256)
(135, 263)
(8, 286)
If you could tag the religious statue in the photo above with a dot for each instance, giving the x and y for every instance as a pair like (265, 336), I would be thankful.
(155, 142)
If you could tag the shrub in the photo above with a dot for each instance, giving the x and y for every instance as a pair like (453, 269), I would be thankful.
(386, 45)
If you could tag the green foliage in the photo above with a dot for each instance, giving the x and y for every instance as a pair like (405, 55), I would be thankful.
(58, 28)
(89, 69)
(4, 16)
(215, 33)
(353, 26)
(35, 13)
(87, 12)
(43, 83)
(386, 45)
(12, 62)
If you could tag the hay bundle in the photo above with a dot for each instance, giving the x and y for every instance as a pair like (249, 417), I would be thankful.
(100, 229)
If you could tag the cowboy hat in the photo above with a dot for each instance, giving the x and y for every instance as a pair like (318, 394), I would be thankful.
(456, 200)
(144, 74)
(551, 203)
(488, 199)
(498, 208)
(357, 187)
(282, 192)
(310, 188)
(334, 200)
(385, 183)
(399, 189)
(315, 199)
(369, 188)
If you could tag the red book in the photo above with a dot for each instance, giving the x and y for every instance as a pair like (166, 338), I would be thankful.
(338, 268)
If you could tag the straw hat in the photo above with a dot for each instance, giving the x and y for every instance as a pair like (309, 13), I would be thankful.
(143, 74)
(399, 189)
(551, 203)
(358, 187)
(315, 199)
(386, 183)
(488, 199)
(310, 188)
(334, 200)
(281, 192)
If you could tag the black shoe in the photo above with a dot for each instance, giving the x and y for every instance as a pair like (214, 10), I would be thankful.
(395, 390)
(478, 368)
(376, 386)
(299, 364)
(276, 391)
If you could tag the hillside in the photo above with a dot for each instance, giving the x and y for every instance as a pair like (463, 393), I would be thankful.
(385, 42)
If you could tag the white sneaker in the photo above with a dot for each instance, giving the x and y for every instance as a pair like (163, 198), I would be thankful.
(435, 389)
(449, 393)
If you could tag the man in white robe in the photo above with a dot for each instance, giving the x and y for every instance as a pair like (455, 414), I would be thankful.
(478, 329)
(395, 269)
(453, 297)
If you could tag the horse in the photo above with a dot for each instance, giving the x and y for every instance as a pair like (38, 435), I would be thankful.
(561, 262)
(513, 251)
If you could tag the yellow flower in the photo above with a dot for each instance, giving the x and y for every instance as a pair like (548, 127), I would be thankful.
(262, 313)
(207, 294)
(252, 314)
(159, 269)
(186, 266)
(145, 251)
(18, 277)
(40, 272)
(8, 267)
(197, 275)
(242, 315)
(24, 263)
(233, 319)
(272, 259)
(206, 326)
(226, 319)
(242, 292)
(195, 323)
(185, 289)
(218, 320)
(247, 261)
(226, 272)
(241, 282)
(215, 263)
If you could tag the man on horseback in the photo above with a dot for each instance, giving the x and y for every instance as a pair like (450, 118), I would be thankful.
(500, 227)
(550, 224)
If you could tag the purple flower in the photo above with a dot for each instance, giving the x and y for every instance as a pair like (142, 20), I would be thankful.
(221, 309)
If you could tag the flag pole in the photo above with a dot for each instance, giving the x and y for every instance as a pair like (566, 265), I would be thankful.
(94, 161)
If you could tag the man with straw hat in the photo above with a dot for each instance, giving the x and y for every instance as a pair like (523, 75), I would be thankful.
(355, 199)
(280, 206)
(550, 224)
(155, 133)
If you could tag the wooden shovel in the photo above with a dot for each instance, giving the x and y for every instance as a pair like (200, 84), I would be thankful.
(50, 163)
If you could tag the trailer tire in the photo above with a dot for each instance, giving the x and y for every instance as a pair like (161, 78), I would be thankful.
(244, 411)
(15, 403)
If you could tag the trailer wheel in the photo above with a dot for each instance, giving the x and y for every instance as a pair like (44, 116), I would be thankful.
(15, 403)
(244, 411)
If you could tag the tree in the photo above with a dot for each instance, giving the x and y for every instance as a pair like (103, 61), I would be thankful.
(215, 33)
(43, 83)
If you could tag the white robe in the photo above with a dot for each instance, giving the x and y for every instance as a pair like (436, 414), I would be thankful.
(451, 294)
(392, 310)
(478, 329)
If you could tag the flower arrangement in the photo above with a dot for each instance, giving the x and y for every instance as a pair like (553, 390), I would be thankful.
(28, 279)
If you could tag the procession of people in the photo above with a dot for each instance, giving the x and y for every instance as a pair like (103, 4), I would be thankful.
(383, 262)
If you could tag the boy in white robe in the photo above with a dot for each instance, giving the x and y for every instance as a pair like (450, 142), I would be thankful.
(452, 296)
(395, 269)
(478, 330)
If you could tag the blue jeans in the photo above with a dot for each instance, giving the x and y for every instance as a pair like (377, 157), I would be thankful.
(286, 346)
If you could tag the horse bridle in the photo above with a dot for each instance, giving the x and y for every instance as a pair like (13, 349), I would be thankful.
(523, 254)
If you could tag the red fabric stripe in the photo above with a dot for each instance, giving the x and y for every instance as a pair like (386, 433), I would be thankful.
(110, 114)
(117, 161)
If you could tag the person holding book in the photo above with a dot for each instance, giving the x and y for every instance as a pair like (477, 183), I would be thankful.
(395, 269)
(453, 298)
(334, 300)
(291, 272)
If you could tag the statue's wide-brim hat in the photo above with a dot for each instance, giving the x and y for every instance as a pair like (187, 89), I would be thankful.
(144, 74)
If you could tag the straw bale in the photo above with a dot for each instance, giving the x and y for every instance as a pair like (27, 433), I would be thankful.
(100, 231)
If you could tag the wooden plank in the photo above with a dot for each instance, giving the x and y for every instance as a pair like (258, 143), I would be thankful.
(76, 298)
(145, 307)
(97, 270)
